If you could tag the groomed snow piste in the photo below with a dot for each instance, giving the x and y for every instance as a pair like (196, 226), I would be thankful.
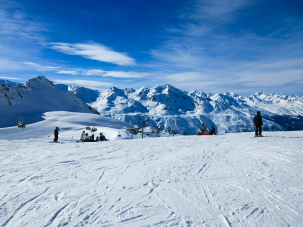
(224, 180)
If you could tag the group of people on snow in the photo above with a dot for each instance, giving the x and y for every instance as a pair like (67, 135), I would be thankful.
(86, 138)
(212, 130)
(257, 122)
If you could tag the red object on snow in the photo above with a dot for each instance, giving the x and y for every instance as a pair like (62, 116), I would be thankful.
(204, 134)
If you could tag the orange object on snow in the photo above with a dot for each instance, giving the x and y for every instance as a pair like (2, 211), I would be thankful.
(204, 134)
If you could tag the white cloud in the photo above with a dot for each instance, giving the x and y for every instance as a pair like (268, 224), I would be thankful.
(95, 72)
(121, 74)
(214, 9)
(285, 64)
(94, 51)
(9, 78)
(270, 79)
(31, 64)
(117, 74)
(188, 76)
(14, 22)
(85, 83)
(40, 67)
(71, 72)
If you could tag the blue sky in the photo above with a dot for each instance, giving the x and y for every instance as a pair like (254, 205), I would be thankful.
(217, 46)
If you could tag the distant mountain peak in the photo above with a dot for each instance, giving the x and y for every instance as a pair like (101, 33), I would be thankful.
(10, 83)
(40, 80)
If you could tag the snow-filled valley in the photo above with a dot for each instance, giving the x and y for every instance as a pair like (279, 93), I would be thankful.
(225, 180)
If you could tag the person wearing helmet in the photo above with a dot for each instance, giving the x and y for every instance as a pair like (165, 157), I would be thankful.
(56, 133)
(258, 123)
(82, 136)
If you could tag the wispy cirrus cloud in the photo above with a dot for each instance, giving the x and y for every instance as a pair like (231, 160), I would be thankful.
(85, 83)
(117, 74)
(41, 67)
(218, 9)
(216, 50)
(70, 72)
(92, 72)
(269, 79)
(285, 64)
(94, 51)
(15, 23)
(9, 78)
(188, 76)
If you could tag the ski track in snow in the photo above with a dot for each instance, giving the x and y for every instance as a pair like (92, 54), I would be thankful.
(225, 180)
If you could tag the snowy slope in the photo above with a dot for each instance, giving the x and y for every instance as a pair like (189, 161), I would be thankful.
(36, 97)
(227, 180)
(71, 126)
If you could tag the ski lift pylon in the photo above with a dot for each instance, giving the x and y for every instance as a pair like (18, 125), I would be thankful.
(94, 128)
(20, 123)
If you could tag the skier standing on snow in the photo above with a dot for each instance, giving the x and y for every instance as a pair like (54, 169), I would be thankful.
(212, 131)
(82, 136)
(56, 133)
(258, 123)
(203, 128)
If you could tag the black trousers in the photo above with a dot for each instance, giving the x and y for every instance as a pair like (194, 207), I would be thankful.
(258, 130)
(56, 138)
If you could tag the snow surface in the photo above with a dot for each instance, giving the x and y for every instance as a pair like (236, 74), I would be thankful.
(224, 180)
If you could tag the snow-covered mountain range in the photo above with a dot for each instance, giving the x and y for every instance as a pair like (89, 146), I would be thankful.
(8, 82)
(32, 100)
(167, 107)
(163, 107)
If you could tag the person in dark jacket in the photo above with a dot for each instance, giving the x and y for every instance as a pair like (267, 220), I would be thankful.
(212, 131)
(258, 123)
(102, 137)
(56, 133)
(92, 137)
